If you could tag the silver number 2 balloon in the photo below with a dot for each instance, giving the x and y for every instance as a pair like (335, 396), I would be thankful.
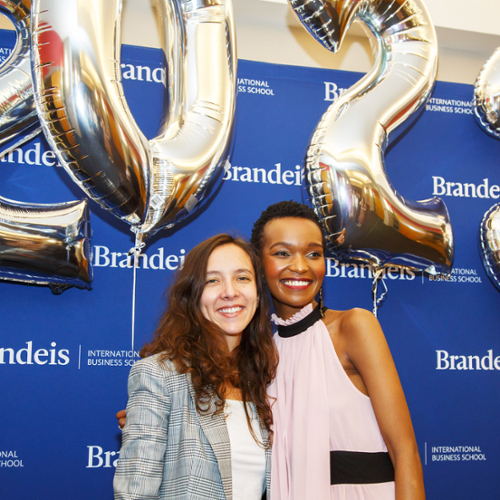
(364, 217)
(487, 111)
(85, 117)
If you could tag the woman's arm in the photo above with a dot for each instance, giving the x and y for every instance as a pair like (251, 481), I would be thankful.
(140, 467)
(368, 351)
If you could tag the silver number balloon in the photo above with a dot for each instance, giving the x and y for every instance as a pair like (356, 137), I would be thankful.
(489, 240)
(80, 102)
(487, 111)
(85, 117)
(487, 96)
(18, 116)
(191, 150)
(45, 244)
(364, 217)
(39, 244)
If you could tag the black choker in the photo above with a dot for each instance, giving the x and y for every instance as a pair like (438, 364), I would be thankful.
(292, 330)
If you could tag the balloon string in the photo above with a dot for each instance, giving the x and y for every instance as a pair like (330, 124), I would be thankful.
(139, 245)
(377, 302)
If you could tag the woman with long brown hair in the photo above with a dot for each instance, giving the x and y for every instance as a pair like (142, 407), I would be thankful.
(198, 419)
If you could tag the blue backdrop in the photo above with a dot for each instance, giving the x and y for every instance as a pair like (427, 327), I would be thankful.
(58, 434)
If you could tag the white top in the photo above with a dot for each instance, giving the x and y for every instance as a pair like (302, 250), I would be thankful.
(248, 460)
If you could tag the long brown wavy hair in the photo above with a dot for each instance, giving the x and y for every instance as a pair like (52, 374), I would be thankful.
(197, 346)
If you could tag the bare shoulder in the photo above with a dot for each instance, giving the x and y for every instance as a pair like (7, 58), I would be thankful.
(354, 333)
(359, 318)
(353, 323)
(362, 348)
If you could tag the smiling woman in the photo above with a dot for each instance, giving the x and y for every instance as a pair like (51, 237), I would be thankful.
(198, 419)
(293, 260)
(342, 430)
(229, 299)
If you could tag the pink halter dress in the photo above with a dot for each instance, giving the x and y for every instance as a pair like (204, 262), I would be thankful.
(318, 410)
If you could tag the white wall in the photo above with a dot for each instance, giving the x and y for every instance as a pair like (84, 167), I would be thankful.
(480, 16)
(268, 31)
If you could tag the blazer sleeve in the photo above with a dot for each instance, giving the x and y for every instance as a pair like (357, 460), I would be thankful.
(139, 472)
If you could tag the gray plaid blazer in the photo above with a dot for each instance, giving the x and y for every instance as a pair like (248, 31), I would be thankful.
(169, 450)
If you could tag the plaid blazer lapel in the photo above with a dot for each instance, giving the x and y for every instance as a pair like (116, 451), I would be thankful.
(215, 429)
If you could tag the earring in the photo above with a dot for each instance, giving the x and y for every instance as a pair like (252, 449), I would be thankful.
(320, 302)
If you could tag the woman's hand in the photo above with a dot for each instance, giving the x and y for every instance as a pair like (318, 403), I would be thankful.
(122, 418)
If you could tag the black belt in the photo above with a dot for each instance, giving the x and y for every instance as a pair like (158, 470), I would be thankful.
(355, 467)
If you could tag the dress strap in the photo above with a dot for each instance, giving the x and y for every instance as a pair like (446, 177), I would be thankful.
(296, 328)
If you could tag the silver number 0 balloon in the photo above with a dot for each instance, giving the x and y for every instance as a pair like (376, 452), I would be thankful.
(364, 217)
(85, 117)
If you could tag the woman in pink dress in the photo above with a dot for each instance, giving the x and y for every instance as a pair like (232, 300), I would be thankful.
(342, 429)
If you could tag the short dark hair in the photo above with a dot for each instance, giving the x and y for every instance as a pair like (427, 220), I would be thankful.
(282, 210)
